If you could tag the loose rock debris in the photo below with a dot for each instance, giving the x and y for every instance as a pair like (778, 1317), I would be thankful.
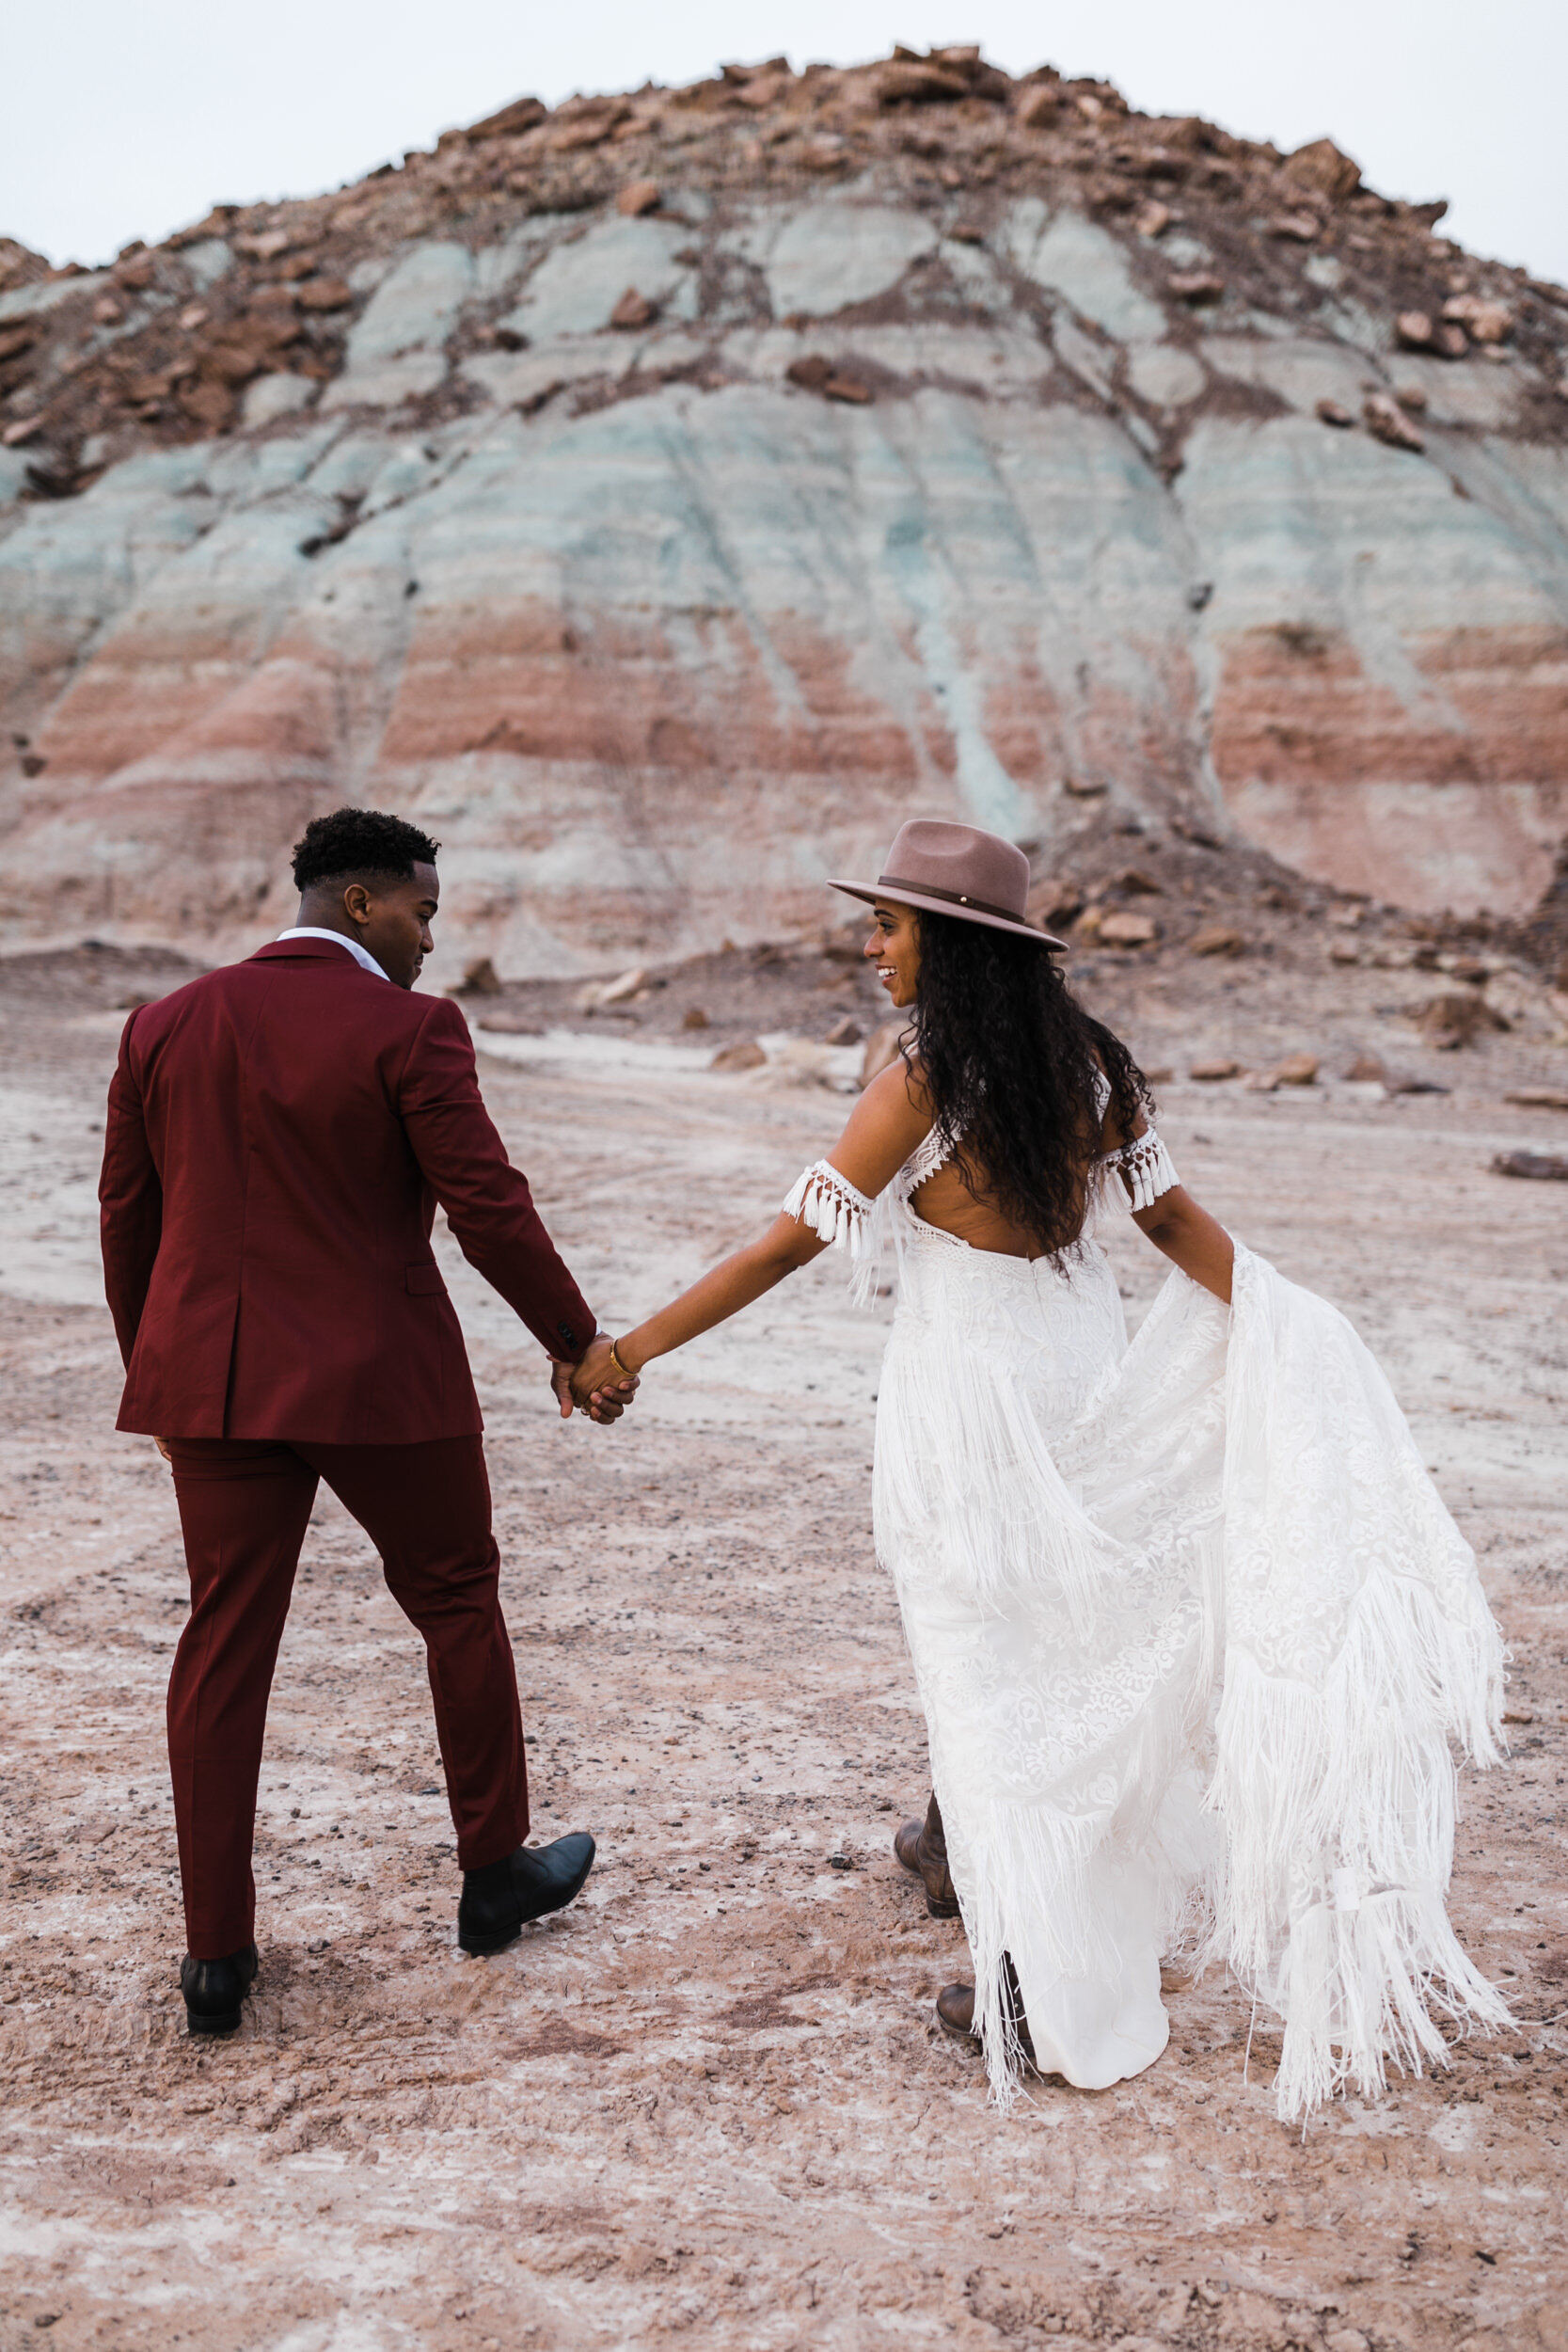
(711, 2098)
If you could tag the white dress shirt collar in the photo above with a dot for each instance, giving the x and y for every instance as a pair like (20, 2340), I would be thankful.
(340, 939)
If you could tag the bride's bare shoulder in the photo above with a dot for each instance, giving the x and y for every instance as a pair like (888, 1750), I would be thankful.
(899, 1093)
(891, 1117)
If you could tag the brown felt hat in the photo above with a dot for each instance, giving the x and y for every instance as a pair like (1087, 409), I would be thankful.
(957, 870)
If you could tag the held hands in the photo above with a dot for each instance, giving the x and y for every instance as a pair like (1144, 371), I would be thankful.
(593, 1386)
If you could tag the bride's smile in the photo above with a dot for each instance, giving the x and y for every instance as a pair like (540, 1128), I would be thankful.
(893, 946)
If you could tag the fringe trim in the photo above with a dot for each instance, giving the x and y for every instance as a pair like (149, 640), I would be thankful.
(831, 1205)
(1038, 1873)
(1144, 1170)
(1027, 1893)
(844, 1218)
(1334, 1774)
(963, 1470)
(1338, 1813)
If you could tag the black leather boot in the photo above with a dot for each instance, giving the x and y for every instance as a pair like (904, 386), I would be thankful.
(922, 1847)
(499, 1900)
(214, 1989)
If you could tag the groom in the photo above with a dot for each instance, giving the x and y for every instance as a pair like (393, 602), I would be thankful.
(279, 1132)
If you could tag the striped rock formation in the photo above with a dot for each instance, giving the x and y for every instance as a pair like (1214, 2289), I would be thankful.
(662, 496)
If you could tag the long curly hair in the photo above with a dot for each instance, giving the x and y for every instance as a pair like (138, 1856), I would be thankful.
(1009, 1061)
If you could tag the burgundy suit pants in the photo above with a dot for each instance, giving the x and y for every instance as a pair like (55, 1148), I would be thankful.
(244, 1509)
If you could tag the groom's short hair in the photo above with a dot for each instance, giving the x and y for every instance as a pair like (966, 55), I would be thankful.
(359, 844)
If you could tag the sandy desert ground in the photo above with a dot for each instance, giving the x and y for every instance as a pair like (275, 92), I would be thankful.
(708, 2103)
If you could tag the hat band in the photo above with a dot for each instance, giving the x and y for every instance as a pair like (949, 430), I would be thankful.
(954, 898)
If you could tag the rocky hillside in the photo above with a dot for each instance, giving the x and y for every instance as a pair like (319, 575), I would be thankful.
(662, 495)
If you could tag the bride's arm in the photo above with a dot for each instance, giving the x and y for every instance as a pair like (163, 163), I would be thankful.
(1165, 1211)
(883, 1128)
(1189, 1238)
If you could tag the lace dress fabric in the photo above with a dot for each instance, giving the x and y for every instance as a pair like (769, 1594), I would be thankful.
(1193, 1633)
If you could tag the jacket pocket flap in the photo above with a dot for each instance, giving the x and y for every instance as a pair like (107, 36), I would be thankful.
(425, 1281)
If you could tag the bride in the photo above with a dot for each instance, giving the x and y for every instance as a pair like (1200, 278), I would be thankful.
(1195, 1636)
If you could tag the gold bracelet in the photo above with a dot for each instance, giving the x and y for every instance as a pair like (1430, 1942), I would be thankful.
(619, 1369)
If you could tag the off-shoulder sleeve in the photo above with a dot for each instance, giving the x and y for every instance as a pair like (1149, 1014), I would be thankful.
(1143, 1170)
(833, 1208)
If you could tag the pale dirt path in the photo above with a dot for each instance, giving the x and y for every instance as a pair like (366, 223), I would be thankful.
(710, 2101)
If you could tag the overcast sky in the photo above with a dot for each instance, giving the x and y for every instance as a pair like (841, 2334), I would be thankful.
(121, 121)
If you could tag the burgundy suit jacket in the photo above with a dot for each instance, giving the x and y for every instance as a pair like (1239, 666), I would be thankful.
(279, 1132)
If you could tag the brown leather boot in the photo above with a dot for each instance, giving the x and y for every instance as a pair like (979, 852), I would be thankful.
(922, 1847)
(955, 2013)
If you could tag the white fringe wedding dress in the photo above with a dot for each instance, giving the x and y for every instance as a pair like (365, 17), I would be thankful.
(1195, 1636)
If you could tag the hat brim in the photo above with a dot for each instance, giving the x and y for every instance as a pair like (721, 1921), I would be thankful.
(945, 906)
